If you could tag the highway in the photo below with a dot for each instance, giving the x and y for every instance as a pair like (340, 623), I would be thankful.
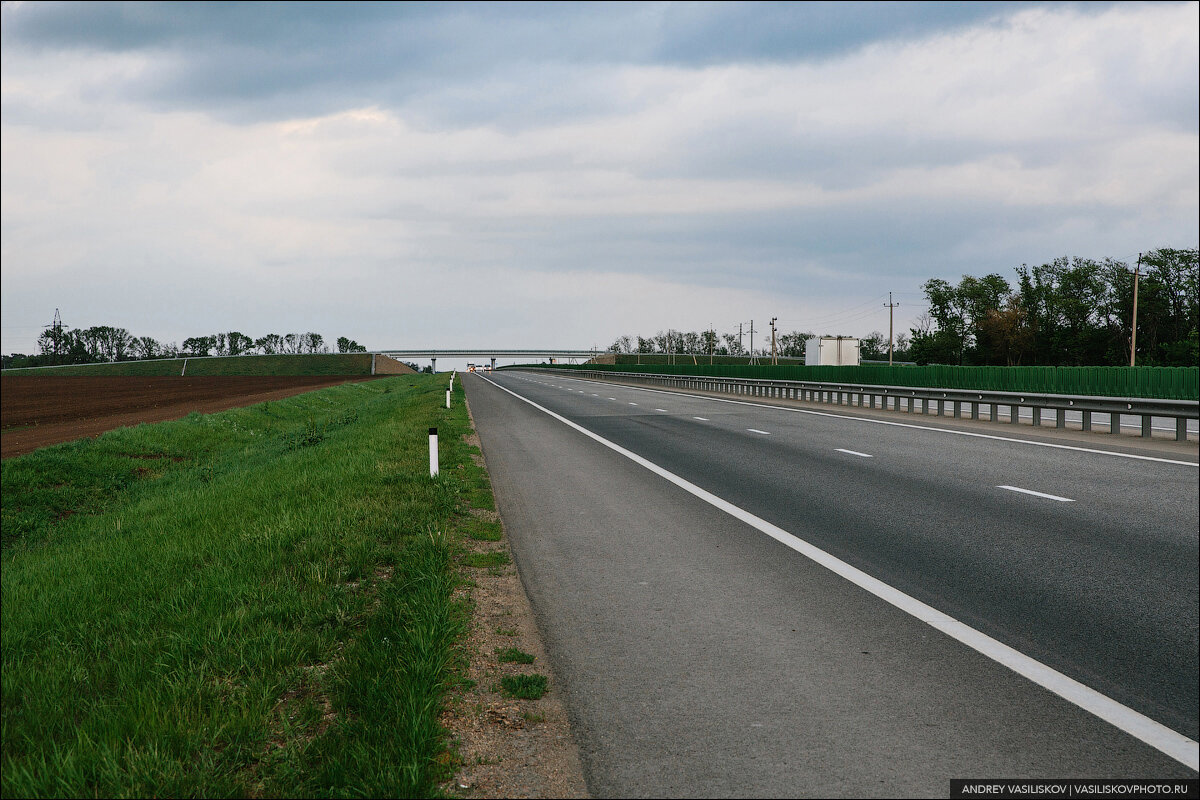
(704, 652)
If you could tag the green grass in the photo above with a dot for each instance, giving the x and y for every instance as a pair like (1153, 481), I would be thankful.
(323, 364)
(513, 655)
(496, 559)
(482, 530)
(524, 687)
(252, 602)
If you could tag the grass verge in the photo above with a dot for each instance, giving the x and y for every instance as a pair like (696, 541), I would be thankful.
(258, 602)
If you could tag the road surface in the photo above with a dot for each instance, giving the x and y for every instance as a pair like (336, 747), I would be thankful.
(700, 656)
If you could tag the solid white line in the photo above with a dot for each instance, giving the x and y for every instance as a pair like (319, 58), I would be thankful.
(756, 430)
(1037, 494)
(702, 419)
(1155, 734)
(908, 425)
(854, 452)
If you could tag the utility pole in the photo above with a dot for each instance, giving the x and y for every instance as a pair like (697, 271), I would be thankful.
(712, 341)
(891, 317)
(774, 352)
(751, 341)
(740, 348)
(1133, 331)
(56, 335)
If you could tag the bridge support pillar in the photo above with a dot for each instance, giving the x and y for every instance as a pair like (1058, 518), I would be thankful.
(493, 363)
(433, 363)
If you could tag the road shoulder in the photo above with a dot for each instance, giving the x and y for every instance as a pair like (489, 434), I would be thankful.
(507, 747)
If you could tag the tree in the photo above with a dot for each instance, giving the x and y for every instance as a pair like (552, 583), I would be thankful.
(873, 347)
(238, 343)
(312, 343)
(794, 344)
(1168, 307)
(198, 346)
(270, 344)
(345, 345)
(1006, 335)
(930, 345)
(145, 347)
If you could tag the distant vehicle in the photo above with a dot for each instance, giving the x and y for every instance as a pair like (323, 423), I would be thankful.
(470, 367)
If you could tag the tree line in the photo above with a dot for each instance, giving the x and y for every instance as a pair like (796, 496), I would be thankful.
(60, 344)
(1069, 312)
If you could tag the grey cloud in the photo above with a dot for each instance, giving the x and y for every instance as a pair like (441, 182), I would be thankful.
(256, 60)
(756, 32)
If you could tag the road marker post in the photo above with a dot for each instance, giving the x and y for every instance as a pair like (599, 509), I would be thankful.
(433, 453)
(447, 398)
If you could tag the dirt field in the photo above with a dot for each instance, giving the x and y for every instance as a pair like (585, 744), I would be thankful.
(39, 411)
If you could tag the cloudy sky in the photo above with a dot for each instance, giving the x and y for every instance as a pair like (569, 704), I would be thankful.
(534, 175)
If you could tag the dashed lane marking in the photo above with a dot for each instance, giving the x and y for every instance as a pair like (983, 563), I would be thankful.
(1037, 494)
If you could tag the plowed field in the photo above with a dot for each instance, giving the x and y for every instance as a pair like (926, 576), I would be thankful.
(39, 411)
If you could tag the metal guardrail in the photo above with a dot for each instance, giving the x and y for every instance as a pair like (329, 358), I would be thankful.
(900, 398)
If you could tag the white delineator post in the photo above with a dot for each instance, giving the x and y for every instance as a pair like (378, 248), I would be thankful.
(433, 453)
(447, 398)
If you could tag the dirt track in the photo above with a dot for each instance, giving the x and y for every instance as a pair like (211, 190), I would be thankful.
(40, 411)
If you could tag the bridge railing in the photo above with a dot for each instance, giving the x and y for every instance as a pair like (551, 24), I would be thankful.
(961, 402)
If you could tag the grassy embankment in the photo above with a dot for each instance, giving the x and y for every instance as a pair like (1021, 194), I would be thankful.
(322, 364)
(257, 602)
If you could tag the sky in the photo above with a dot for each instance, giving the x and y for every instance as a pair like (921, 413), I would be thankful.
(557, 175)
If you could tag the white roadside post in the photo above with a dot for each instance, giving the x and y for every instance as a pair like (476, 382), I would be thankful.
(433, 453)
(447, 398)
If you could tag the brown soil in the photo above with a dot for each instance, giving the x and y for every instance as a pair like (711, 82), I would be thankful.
(40, 411)
(390, 366)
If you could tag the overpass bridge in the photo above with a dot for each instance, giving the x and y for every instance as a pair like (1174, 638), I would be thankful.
(492, 355)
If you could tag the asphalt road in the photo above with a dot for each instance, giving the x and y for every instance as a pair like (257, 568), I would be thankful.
(701, 657)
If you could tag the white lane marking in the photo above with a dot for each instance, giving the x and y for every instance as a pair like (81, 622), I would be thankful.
(702, 419)
(756, 430)
(633, 404)
(662, 410)
(612, 398)
(1037, 494)
(1159, 736)
(910, 425)
(595, 395)
(853, 452)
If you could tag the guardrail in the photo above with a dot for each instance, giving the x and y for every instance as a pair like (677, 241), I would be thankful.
(906, 398)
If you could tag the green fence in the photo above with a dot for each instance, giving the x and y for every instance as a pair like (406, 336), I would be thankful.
(1168, 383)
